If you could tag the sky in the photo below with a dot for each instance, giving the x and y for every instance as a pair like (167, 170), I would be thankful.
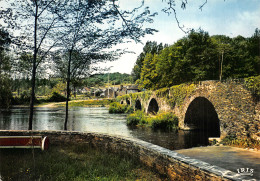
(229, 17)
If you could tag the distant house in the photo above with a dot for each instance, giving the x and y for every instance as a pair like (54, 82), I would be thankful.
(85, 90)
(110, 93)
(127, 90)
(121, 91)
(132, 89)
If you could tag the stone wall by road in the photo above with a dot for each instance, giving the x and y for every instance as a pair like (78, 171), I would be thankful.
(166, 162)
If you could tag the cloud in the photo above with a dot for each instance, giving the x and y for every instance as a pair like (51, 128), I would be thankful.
(246, 22)
(231, 18)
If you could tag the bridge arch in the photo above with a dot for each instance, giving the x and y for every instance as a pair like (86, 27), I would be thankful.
(153, 106)
(128, 102)
(201, 115)
(138, 105)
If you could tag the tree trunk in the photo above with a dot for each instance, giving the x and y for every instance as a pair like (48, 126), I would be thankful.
(75, 92)
(68, 92)
(34, 68)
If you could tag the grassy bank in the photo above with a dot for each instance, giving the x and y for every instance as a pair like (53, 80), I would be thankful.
(241, 143)
(70, 162)
(116, 107)
(86, 103)
(78, 103)
(166, 121)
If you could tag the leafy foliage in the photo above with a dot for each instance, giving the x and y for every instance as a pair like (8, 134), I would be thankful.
(136, 118)
(5, 66)
(198, 57)
(253, 84)
(150, 47)
(101, 79)
(56, 97)
(232, 140)
(166, 121)
(23, 99)
(5, 92)
(116, 107)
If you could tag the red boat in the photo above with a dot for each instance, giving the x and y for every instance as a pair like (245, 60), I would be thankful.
(24, 142)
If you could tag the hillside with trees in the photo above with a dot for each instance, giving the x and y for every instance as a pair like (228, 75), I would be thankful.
(197, 57)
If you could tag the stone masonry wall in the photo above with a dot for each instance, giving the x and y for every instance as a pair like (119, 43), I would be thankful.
(166, 162)
(238, 112)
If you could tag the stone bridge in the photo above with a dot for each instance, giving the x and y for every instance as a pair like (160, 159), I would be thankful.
(221, 108)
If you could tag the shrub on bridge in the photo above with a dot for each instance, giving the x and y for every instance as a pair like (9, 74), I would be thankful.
(253, 84)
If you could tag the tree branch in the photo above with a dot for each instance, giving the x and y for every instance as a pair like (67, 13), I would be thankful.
(46, 33)
(45, 8)
(203, 5)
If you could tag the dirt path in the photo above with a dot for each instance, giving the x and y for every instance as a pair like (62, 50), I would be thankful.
(54, 104)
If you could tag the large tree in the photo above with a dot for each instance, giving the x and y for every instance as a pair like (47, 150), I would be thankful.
(5, 66)
(91, 29)
(35, 24)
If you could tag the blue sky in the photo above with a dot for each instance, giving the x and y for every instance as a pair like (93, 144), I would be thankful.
(229, 17)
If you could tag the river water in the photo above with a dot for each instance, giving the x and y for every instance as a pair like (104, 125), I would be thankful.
(97, 119)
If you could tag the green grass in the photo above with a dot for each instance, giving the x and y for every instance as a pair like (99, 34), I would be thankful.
(166, 121)
(82, 103)
(137, 118)
(232, 140)
(91, 102)
(70, 162)
(116, 107)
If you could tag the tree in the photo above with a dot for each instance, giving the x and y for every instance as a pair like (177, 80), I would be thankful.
(5, 67)
(149, 77)
(198, 57)
(150, 47)
(90, 29)
(37, 22)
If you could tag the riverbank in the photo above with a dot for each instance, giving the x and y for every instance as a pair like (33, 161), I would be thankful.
(79, 103)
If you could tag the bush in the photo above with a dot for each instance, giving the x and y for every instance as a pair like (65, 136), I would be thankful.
(232, 140)
(129, 109)
(23, 99)
(253, 84)
(116, 107)
(5, 92)
(136, 118)
(165, 121)
(56, 97)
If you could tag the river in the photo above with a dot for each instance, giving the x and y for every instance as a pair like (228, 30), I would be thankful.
(97, 119)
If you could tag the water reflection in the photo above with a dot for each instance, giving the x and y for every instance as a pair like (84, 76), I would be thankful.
(97, 119)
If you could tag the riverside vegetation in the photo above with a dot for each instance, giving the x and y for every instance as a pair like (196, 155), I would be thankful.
(232, 140)
(167, 121)
(70, 162)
